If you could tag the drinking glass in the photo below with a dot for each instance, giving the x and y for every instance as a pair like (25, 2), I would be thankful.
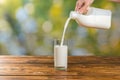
(60, 55)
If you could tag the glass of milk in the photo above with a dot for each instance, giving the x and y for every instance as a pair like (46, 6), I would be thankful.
(60, 55)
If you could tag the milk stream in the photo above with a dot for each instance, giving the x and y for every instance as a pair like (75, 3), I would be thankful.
(65, 27)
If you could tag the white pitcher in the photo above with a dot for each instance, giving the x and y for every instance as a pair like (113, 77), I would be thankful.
(95, 17)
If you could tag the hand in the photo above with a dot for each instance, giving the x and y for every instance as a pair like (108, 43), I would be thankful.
(115, 1)
(83, 5)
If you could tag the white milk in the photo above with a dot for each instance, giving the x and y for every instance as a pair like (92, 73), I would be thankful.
(60, 57)
(65, 27)
(97, 18)
(61, 51)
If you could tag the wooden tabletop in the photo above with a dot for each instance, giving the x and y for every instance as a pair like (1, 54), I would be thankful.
(42, 68)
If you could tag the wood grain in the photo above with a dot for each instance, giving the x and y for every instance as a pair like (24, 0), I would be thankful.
(42, 68)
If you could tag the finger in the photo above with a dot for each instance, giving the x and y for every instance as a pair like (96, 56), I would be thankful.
(79, 5)
(76, 6)
(84, 9)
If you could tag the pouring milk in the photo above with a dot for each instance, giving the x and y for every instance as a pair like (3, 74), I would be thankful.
(95, 18)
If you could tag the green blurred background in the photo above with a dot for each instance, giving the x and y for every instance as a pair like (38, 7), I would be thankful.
(29, 27)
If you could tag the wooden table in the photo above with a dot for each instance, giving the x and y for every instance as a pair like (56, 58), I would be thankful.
(42, 68)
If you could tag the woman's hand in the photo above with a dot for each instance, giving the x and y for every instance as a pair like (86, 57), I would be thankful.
(83, 5)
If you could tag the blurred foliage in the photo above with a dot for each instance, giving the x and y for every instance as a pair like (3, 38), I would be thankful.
(43, 21)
